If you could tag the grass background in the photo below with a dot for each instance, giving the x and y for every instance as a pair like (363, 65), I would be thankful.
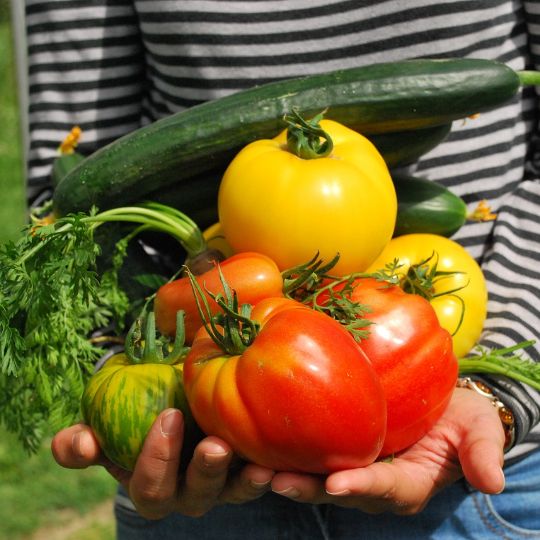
(36, 493)
(12, 206)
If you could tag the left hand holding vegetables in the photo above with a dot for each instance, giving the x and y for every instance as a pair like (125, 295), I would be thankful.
(155, 486)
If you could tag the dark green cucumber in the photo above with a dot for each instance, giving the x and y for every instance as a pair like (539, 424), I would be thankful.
(377, 98)
(405, 147)
(424, 206)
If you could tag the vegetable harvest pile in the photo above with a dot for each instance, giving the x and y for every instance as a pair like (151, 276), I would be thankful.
(331, 329)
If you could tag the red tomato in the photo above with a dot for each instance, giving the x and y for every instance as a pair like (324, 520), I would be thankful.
(302, 397)
(413, 357)
(252, 275)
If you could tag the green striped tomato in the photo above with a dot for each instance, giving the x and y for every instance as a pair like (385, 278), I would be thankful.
(122, 400)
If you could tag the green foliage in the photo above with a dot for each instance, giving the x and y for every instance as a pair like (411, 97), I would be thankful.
(507, 361)
(51, 299)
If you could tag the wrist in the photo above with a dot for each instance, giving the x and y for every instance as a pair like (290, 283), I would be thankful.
(505, 414)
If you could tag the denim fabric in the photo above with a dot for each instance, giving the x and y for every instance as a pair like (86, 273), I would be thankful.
(457, 513)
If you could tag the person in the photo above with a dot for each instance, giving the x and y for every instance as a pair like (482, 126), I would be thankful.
(111, 66)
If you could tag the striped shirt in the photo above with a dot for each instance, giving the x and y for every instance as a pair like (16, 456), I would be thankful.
(112, 66)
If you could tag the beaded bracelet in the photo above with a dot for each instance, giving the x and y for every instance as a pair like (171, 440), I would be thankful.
(505, 414)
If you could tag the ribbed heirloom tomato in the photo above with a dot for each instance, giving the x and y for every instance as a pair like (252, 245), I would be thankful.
(301, 396)
(275, 200)
(411, 354)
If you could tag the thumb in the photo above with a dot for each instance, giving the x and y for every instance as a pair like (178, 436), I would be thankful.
(481, 452)
(154, 483)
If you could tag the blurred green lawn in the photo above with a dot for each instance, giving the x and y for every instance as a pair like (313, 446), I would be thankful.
(12, 203)
(33, 489)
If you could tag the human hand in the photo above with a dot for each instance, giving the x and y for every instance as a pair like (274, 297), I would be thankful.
(156, 487)
(468, 440)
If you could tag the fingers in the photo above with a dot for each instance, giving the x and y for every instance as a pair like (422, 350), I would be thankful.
(155, 486)
(205, 477)
(300, 487)
(380, 487)
(383, 487)
(154, 483)
(251, 483)
(76, 447)
(481, 453)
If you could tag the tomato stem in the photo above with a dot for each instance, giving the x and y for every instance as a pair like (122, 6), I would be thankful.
(232, 330)
(304, 136)
(305, 277)
(146, 348)
(308, 282)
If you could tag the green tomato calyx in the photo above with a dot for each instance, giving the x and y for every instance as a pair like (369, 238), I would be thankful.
(231, 329)
(146, 348)
(305, 138)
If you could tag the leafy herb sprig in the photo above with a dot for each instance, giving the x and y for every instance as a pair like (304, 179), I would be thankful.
(51, 299)
(508, 361)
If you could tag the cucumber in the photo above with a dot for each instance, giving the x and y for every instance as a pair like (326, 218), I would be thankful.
(62, 164)
(378, 98)
(67, 157)
(425, 206)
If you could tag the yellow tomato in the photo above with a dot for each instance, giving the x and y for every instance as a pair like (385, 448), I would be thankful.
(470, 297)
(288, 208)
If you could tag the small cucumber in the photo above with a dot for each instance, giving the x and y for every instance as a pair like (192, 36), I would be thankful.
(377, 98)
(63, 164)
(425, 206)
(68, 157)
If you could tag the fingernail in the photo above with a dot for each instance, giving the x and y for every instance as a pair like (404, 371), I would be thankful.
(503, 483)
(214, 458)
(341, 493)
(170, 423)
(290, 492)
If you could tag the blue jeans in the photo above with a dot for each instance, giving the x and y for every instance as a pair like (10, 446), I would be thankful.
(457, 512)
